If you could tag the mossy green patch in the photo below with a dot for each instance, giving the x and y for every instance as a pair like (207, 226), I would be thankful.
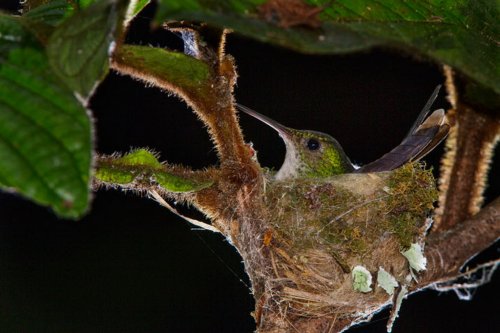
(142, 166)
(182, 71)
(412, 194)
(349, 215)
(140, 157)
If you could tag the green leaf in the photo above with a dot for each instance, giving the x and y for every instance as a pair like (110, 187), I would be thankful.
(79, 49)
(460, 33)
(84, 3)
(182, 71)
(135, 7)
(45, 135)
(12, 34)
(31, 4)
(41, 19)
(51, 13)
(142, 166)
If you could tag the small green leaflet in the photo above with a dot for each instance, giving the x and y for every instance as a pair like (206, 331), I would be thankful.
(142, 165)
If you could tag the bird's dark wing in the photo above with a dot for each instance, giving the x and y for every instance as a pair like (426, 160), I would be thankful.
(422, 138)
(442, 133)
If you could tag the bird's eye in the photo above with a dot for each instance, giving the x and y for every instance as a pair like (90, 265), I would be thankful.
(313, 144)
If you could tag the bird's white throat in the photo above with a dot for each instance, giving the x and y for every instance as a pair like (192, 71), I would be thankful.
(291, 165)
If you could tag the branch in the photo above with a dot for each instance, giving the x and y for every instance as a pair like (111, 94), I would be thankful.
(448, 251)
(464, 283)
(205, 86)
(469, 150)
(140, 171)
(205, 83)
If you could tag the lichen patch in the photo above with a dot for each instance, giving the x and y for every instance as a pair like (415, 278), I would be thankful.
(386, 281)
(415, 257)
(361, 279)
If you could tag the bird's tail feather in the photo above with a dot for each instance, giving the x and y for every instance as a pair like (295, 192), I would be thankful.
(422, 138)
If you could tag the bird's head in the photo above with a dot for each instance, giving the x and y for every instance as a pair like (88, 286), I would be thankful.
(309, 154)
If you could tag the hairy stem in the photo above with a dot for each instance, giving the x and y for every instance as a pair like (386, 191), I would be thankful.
(208, 93)
(465, 166)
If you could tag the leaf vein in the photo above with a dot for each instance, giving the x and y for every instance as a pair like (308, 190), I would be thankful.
(56, 140)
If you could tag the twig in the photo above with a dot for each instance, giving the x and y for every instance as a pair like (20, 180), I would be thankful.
(463, 289)
(165, 204)
(448, 251)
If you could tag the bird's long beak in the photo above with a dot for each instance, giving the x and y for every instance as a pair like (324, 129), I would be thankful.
(283, 131)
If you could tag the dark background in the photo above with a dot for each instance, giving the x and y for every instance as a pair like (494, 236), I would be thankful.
(131, 266)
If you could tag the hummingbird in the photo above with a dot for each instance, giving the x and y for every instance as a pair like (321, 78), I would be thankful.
(312, 154)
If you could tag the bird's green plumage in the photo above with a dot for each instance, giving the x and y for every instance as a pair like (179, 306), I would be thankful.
(311, 154)
(327, 160)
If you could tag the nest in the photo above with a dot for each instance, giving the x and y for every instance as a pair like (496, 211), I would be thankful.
(320, 229)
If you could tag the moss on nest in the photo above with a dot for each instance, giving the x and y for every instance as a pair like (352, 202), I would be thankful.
(412, 194)
(346, 215)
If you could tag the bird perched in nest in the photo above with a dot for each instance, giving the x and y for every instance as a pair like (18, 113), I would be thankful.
(312, 154)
